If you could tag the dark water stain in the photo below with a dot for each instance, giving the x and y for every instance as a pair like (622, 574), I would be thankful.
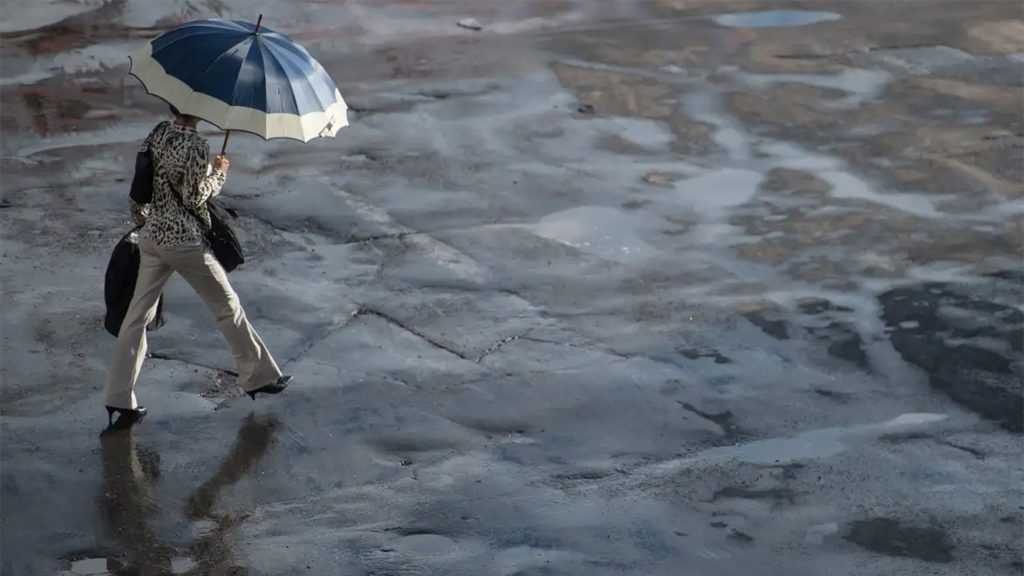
(36, 102)
(844, 341)
(850, 347)
(698, 353)
(584, 475)
(739, 536)
(775, 328)
(791, 470)
(903, 438)
(891, 538)
(1016, 276)
(841, 397)
(725, 420)
(778, 495)
(932, 326)
(815, 306)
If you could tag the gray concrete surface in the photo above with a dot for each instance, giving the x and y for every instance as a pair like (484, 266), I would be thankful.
(650, 288)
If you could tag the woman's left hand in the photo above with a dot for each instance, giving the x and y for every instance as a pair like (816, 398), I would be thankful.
(221, 163)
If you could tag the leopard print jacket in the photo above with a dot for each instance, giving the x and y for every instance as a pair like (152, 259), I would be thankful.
(180, 162)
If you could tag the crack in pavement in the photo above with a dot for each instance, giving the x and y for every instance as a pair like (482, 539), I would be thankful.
(162, 356)
(324, 334)
(352, 239)
(564, 369)
(497, 346)
(366, 311)
(595, 348)
(972, 451)
(601, 349)
(572, 345)
(278, 228)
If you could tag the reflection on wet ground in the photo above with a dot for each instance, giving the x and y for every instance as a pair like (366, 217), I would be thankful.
(133, 511)
(129, 505)
(601, 288)
(774, 18)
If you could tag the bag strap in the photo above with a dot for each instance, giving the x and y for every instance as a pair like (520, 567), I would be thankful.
(132, 231)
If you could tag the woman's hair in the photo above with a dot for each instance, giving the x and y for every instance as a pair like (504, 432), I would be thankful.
(176, 112)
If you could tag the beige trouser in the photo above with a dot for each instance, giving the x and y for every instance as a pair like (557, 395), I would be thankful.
(202, 271)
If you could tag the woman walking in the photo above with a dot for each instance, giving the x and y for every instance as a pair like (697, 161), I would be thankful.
(172, 240)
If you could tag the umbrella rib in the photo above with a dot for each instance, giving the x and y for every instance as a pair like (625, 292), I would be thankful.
(268, 55)
(186, 34)
(238, 77)
(217, 59)
(297, 53)
(305, 78)
(291, 81)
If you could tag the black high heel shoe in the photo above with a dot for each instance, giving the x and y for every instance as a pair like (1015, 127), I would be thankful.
(126, 419)
(272, 388)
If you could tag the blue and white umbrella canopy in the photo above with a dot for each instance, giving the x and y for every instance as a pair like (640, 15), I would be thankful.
(240, 76)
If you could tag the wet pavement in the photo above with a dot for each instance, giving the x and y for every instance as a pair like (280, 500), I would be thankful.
(667, 287)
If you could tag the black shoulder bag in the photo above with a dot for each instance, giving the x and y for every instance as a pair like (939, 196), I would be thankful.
(142, 182)
(219, 235)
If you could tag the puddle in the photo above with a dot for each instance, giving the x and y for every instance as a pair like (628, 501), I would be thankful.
(182, 565)
(813, 444)
(924, 59)
(729, 134)
(715, 192)
(774, 18)
(860, 85)
(892, 538)
(817, 534)
(110, 567)
(843, 183)
(92, 567)
(602, 231)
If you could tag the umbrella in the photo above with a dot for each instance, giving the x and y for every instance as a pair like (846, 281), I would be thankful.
(240, 76)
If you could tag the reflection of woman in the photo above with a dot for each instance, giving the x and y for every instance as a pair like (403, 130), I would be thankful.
(251, 444)
(171, 241)
(213, 550)
(127, 502)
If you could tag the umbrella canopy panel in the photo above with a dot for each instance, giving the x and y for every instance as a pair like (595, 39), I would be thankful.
(230, 74)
